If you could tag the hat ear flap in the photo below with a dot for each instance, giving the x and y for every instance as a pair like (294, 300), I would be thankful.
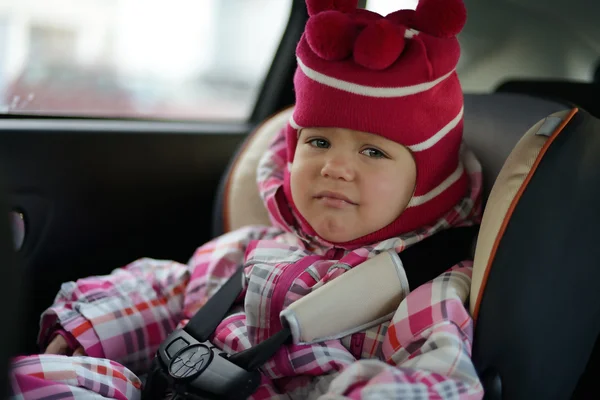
(402, 17)
(441, 18)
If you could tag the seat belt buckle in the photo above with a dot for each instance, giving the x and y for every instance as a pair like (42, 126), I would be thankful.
(201, 369)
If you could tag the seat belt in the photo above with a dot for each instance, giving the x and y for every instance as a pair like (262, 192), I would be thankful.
(203, 324)
(191, 367)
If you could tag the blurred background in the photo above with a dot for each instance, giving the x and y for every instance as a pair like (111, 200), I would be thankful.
(206, 59)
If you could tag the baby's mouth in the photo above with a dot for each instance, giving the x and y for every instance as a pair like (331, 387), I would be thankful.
(335, 199)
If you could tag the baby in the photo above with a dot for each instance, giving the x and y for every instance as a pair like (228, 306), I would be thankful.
(371, 161)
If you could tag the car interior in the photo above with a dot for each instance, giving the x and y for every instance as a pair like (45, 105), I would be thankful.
(88, 193)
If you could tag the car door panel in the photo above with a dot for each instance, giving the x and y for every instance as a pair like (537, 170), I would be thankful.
(97, 195)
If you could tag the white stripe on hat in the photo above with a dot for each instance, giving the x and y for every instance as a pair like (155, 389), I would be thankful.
(438, 136)
(293, 123)
(420, 200)
(369, 91)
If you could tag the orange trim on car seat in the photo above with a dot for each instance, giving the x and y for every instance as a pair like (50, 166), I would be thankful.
(513, 205)
(245, 146)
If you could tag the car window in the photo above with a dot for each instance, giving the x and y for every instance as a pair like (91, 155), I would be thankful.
(177, 59)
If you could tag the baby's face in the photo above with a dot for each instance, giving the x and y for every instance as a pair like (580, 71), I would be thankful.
(348, 184)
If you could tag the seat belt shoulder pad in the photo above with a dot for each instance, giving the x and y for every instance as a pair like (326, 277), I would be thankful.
(364, 296)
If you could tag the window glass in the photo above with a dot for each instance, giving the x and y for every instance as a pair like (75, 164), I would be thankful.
(176, 59)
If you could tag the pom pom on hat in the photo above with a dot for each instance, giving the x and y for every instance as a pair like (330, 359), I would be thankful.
(316, 6)
(331, 35)
(379, 45)
(402, 17)
(337, 29)
(440, 18)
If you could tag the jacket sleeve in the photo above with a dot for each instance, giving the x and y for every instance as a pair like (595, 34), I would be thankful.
(49, 376)
(125, 316)
(427, 348)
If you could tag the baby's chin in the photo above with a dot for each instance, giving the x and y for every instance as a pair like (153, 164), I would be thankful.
(335, 231)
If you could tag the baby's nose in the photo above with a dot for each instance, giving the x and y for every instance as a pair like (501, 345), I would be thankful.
(338, 166)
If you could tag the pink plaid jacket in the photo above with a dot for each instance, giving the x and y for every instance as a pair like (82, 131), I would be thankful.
(120, 319)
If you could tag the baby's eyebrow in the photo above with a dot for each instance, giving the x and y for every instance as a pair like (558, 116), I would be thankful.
(380, 144)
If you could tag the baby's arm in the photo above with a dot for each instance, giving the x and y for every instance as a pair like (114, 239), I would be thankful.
(125, 316)
(427, 348)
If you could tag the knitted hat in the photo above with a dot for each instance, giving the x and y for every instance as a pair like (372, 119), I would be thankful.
(393, 76)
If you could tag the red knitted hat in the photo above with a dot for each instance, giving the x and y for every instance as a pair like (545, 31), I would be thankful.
(393, 76)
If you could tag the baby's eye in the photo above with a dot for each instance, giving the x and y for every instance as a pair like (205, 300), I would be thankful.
(373, 153)
(320, 143)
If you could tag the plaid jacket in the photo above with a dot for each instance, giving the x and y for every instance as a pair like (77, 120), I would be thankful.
(120, 319)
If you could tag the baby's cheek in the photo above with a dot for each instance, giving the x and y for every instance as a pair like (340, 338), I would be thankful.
(297, 183)
(391, 193)
(392, 182)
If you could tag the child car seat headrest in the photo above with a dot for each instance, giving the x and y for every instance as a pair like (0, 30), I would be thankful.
(510, 184)
(534, 292)
(238, 202)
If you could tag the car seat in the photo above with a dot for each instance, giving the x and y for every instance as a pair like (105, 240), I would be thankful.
(533, 292)
(579, 94)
